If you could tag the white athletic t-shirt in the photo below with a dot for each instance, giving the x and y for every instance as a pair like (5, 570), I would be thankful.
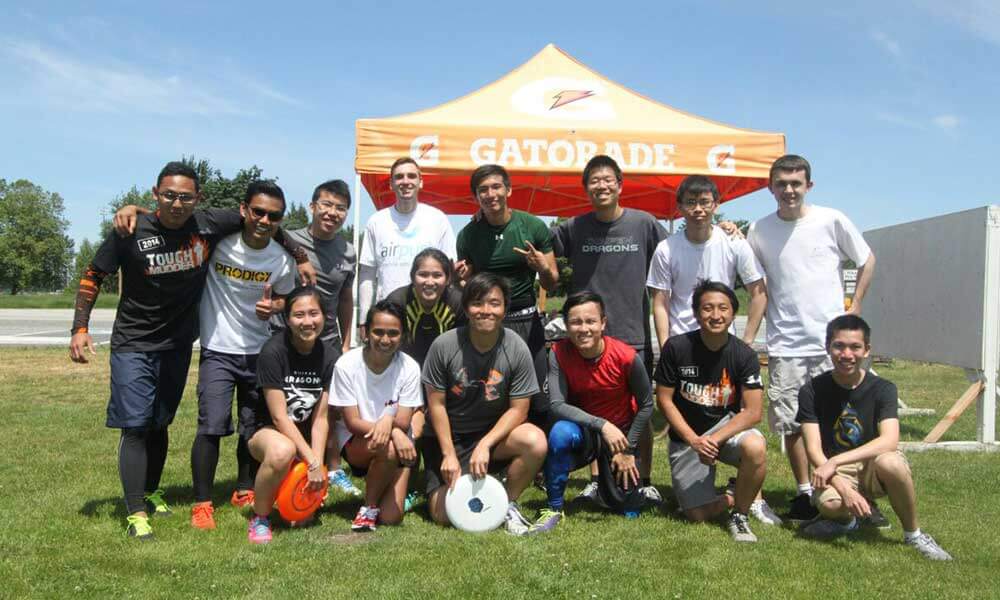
(678, 265)
(801, 261)
(236, 277)
(392, 239)
(354, 384)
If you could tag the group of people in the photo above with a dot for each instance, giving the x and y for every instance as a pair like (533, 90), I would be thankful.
(454, 371)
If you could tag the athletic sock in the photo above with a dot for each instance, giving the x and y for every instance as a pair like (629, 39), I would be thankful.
(594, 477)
(204, 460)
(909, 536)
(132, 468)
(156, 456)
(806, 488)
(645, 482)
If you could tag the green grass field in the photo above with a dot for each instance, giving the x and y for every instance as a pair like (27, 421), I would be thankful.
(53, 300)
(63, 534)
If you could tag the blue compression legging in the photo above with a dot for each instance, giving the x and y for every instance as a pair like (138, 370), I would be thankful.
(565, 440)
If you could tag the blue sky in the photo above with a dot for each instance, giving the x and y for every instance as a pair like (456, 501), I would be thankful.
(894, 103)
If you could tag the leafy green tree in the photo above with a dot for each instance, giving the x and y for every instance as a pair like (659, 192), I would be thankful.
(35, 252)
(296, 217)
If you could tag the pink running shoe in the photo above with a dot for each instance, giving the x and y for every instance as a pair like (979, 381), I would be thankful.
(259, 530)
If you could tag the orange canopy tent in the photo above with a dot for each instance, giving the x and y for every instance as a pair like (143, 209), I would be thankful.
(543, 121)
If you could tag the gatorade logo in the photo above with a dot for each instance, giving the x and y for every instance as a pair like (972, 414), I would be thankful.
(426, 150)
(720, 159)
(564, 98)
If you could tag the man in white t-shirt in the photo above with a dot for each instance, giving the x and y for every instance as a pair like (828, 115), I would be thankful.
(246, 278)
(377, 388)
(701, 251)
(801, 247)
(394, 235)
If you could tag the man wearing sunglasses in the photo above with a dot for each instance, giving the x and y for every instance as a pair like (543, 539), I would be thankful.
(247, 279)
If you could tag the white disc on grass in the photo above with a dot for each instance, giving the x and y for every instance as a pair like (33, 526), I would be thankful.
(476, 505)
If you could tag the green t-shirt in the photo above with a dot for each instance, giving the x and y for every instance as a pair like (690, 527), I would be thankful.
(489, 248)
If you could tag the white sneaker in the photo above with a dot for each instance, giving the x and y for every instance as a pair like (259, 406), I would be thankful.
(739, 528)
(761, 511)
(926, 545)
(515, 521)
(651, 494)
(589, 492)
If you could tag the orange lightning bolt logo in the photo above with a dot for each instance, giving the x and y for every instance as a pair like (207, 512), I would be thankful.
(720, 160)
(566, 96)
(424, 149)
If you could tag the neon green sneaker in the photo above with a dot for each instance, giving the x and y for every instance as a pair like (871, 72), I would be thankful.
(138, 527)
(157, 505)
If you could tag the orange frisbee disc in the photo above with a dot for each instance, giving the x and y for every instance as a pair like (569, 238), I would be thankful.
(295, 501)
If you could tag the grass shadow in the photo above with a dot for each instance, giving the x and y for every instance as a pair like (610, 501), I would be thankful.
(174, 495)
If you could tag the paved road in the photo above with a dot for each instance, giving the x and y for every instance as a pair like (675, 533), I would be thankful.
(50, 327)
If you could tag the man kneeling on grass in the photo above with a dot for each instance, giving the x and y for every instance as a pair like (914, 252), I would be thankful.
(851, 433)
(378, 387)
(598, 389)
(708, 386)
(479, 381)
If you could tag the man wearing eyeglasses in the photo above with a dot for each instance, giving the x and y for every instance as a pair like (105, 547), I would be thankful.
(164, 261)
(701, 251)
(248, 277)
(334, 259)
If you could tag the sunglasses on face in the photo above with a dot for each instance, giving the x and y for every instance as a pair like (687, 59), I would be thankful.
(273, 216)
(172, 196)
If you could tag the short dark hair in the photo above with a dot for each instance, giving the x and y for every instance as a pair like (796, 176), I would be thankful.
(697, 185)
(790, 162)
(267, 187)
(848, 323)
(385, 306)
(485, 171)
(598, 162)
(434, 254)
(334, 187)
(706, 285)
(303, 291)
(181, 169)
(481, 284)
(579, 298)
(402, 161)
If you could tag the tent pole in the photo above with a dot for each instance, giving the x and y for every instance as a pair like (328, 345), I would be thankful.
(357, 263)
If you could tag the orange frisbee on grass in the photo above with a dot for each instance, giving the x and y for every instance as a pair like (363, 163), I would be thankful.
(295, 501)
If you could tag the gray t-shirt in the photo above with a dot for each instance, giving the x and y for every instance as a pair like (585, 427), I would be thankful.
(478, 386)
(334, 262)
(612, 259)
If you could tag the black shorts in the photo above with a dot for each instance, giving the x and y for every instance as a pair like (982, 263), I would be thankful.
(531, 329)
(464, 445)
(146, 387)
(218, 375)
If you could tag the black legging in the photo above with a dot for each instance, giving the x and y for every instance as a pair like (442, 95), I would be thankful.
(142, 453)
(205, 459)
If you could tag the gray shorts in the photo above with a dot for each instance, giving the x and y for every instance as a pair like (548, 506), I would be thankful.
(694, 481)
(219, 375)
(785, 376)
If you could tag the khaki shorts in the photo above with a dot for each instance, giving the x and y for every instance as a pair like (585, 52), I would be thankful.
(861, 476)
(785, 376)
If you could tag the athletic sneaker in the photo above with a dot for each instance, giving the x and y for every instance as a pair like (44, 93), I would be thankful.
(203, 515)
(739, 528)
(157, 505)
(824, 528)
(589, 492)
(259, 530)
(761, 510)
(339, 480)
(366, 519)
(242, 500)
(802, 509)
(926, 545)
(138, 527)
(547, 520)
(876, 519)
(651, 494)
(410, 501)
(515, 521)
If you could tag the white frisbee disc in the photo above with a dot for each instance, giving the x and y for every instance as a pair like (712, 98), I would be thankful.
(476, 505)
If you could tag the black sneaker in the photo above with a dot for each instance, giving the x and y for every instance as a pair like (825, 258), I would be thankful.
(802, 509)
(876, 519)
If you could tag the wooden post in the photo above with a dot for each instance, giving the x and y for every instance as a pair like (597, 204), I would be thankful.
(964, 401)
